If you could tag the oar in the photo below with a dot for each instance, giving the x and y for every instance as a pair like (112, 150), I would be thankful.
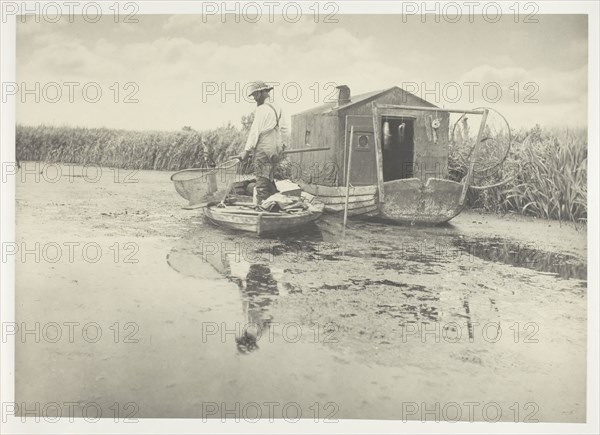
(305, 150)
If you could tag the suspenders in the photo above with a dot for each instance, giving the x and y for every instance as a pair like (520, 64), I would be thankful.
(276, 115)
(270, 144)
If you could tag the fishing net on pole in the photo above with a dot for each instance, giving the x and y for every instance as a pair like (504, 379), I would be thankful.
(491, 153)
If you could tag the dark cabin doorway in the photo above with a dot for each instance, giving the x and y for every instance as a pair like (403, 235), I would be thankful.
(398, 153)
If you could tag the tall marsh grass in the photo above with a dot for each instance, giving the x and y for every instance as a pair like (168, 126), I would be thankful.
(547, 170)
(169, 151)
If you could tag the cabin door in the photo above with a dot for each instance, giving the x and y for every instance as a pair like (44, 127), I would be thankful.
(398, 147)
(363, 171)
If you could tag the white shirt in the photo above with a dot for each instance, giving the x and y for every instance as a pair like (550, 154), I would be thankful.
(265, 120)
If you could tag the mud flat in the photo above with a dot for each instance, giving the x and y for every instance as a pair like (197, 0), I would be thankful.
(158, 311)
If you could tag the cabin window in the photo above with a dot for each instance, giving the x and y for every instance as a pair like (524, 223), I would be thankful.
(363, 143)
(307, 138)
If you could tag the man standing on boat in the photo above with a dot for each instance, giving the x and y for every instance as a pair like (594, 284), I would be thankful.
(265, 139)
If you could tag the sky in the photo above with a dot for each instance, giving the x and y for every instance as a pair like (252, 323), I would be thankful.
(170, 71)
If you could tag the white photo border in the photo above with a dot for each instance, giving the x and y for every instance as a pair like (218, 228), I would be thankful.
(185, 426)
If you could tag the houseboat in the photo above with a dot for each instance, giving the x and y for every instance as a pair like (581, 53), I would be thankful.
(385, 153)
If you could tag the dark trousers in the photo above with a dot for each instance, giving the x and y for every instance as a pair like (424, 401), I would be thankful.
(264, 167)
(264, 189)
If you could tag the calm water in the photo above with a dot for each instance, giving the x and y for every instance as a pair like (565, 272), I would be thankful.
(389, 316)
(391, 322)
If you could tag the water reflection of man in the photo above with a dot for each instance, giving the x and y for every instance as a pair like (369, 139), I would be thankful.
(257, 294)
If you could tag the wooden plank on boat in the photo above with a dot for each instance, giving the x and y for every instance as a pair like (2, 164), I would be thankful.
(232, 222)
(331, 200)
(237, 211)
(332, 191)
(351, 206)
(370, 210)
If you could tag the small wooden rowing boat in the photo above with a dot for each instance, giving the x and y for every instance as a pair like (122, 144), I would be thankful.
(245, 217)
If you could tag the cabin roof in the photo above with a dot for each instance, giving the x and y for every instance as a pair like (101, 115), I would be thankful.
(356, 99)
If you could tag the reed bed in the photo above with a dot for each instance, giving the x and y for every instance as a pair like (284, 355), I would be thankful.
(546, 169)
(157, 150)
(547, 173)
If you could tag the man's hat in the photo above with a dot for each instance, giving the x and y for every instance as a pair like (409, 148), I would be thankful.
(258, 86)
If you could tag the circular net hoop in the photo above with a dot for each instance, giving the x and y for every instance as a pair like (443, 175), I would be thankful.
(493, 149)
(228, 167)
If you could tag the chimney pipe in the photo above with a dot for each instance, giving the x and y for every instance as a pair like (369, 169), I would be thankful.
(343, 95)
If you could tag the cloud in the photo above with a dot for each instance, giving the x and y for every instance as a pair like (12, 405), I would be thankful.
(281, 29)
(40, 32)
(546, 85)
(72, 59)
(173, 66)
(487, 73)
(190, 24)
(27, 28)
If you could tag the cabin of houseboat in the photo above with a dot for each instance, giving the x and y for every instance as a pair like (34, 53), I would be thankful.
(399, 145)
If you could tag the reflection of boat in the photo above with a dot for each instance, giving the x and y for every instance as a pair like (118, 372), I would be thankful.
(390, 146)
(245, 217)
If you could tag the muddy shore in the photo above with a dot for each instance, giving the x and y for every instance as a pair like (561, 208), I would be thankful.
(386, 323)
